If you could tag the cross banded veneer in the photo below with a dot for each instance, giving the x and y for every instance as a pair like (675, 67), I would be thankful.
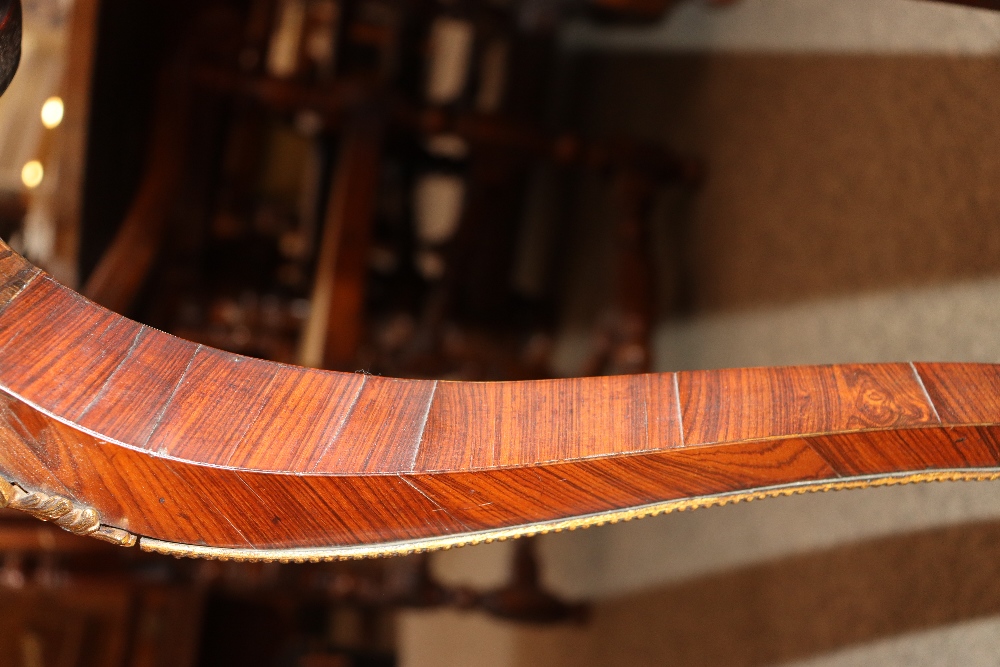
(204, 453)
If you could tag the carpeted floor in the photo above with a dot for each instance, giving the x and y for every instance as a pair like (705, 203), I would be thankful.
(827, 174)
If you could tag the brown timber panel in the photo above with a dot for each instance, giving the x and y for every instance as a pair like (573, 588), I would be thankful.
(135, 396)
(231, 500)
(18, 461)
(130, 489)
(357, 459)
(194, 504)
(887, 452)
(479, 425)
(384, 430)
(963, 393)
(492, 498)
(212, 407)
(57, 349)
(304, 414)
(663, 412)
(345, 510)
(751, 403)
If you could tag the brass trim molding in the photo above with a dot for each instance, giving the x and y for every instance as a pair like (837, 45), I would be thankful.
(63, 512)
(321, 554)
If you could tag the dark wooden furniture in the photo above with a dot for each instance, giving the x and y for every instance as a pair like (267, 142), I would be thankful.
(265, 190)
(113, 428)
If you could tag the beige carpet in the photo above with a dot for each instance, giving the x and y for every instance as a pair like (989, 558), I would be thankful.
(827, 174)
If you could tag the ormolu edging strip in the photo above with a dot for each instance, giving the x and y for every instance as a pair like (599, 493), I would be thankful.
(402, 548)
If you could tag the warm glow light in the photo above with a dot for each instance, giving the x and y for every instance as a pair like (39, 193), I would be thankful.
(32, 174)
(52, 112)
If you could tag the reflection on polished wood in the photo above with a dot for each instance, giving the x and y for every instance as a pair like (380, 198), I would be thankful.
(206, 453)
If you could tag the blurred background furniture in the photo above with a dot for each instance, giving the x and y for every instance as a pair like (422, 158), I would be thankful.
(351, 185)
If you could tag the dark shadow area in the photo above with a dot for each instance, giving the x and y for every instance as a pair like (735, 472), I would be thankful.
(826, 174)
(129, 53)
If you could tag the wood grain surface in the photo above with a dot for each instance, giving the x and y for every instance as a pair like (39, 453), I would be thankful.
(185, 444)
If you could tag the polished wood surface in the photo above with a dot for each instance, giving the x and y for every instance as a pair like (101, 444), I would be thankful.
(189, 445)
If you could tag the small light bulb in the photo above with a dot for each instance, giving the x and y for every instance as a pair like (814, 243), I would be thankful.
(32, 174)
(52, 112)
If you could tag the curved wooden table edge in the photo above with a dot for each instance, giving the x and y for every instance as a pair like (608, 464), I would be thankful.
(405, 548)
(112, 429)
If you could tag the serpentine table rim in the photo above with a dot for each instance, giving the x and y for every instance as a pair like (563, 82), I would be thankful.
(113, 429)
